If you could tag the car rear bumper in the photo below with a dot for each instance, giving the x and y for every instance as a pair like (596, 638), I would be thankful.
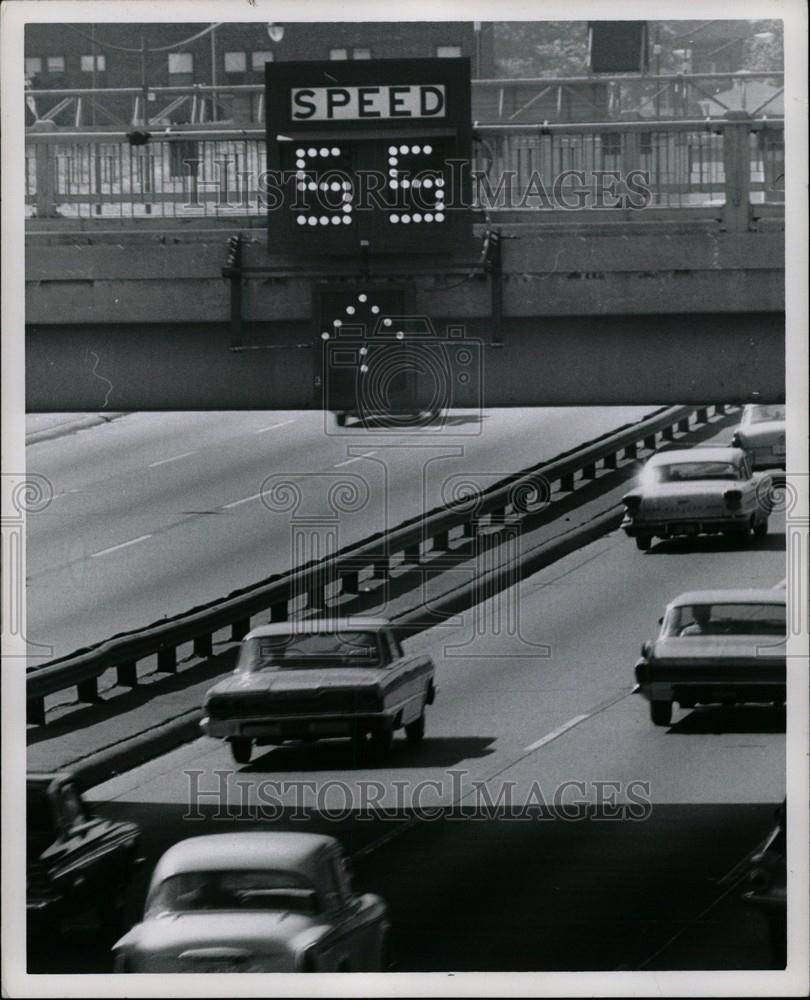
(667, 528)
(710, 692)
(296, 727)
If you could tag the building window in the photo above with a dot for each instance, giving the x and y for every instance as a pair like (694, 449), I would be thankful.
(33, 65)
(361, 53)
(87, 64)
(338, 53)
(235, 62)
(56, 64)
(448, 51)
(181, 63)
(258, 59)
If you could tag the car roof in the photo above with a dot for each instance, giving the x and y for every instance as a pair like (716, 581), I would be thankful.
(713, 453)
(279, 850)
(318, 625)
(761, 595)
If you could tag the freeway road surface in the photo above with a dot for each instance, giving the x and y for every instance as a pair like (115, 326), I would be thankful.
(155, 513)
(543, 713)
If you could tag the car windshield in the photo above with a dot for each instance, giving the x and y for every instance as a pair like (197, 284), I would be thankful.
(322, 649)
(681, 472)
(725, 619)
(233, 890)
(762, 414)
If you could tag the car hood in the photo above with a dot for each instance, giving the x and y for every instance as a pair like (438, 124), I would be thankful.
(258, 933)
(737, 649)
(309, 679)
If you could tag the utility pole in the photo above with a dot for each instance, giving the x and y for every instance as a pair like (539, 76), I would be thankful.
(144, 87)
(214, 74)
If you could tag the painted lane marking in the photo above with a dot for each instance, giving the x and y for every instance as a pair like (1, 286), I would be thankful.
(357, 458)
(272, 427)
(174, 458)
(123, 545)
(556, 733)
(236, 503)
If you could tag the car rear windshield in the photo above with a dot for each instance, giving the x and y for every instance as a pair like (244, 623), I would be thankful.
(682, 472)
(726, 619)
(296, 652)
(233, 890)
(762, 414)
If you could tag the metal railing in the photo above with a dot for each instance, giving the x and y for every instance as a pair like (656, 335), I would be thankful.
(530, 100)
(210, 173)
(319, 587)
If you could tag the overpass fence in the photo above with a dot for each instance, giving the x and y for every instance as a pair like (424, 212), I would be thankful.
(608, 97)
(709, 166)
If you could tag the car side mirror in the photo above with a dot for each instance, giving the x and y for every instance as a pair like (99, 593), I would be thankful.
(646, 647)
(661, 620)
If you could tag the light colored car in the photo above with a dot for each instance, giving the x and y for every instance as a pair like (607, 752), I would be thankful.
(715, 646)
(255, 902)
(317, 679)
(762, 434)
(704, 490)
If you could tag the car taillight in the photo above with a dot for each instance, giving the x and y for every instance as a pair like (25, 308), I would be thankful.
(632, 502)
(733, 499)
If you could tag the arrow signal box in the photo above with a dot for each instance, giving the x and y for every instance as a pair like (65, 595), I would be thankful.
(369, 157)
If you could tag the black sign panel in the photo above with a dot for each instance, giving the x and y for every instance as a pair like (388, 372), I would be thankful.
(618, 46)
(369, 156)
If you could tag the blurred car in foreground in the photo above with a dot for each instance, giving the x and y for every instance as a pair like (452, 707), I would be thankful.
(317, 679)
(255, 902)
(77, 863)
(761, 434)
(695, 491)
(766, 885)
(715, 646)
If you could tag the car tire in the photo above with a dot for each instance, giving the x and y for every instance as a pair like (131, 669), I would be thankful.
(415, 731)
(761, 528)
(241, 749)
(643, 542)
(661, 712)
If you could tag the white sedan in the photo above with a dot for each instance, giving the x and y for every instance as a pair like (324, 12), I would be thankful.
(704, 490)
(762, 434)
(255, 902)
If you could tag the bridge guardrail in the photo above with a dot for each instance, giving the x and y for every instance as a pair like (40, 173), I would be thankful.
(720, 167)
(413, 539)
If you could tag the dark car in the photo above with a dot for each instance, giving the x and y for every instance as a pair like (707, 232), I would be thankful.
(76, 862)
(716, 647)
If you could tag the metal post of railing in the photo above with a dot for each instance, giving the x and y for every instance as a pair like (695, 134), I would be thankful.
(631, 148)
(737, 170)
(45, 161)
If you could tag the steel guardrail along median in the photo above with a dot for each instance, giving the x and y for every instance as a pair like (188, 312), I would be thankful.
(408, 542)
